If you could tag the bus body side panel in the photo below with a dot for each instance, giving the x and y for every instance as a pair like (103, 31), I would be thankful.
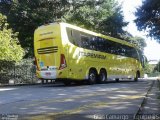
(79, 60)
(74, 63)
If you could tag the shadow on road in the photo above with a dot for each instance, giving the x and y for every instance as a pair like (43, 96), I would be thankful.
(84, 84)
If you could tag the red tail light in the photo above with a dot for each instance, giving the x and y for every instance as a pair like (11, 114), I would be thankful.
(35, 62)
(62, 62)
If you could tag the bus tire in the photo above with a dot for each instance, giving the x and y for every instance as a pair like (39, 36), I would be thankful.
(137, 76)
(46, 81)
(102, 76)
(42, 81)
(117, 79)
(92, 77)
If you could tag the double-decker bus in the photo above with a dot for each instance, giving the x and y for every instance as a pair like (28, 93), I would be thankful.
(67, 53)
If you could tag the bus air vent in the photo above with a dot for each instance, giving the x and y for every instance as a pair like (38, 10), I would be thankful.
(47, 50)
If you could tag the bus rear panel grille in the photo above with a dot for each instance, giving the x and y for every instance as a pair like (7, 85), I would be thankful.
(47, 50)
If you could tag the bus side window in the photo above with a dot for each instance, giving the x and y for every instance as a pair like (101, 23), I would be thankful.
(103, 45)
(135, 54)
(73, 38)
(131, 52)
(123, 50)
(118, 50)
(93, 43)
(100, 44)
(114, 47)
(84, 42)
(108, 46)
(76, 38)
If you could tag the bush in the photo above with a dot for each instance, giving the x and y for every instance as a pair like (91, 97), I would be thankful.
(10, 50)
(21, 72)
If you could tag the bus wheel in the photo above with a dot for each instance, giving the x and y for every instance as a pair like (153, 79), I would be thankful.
(92, 77)
(137, 76)
(42, 81)
(102, 76)
(117, 79)
(46, 81)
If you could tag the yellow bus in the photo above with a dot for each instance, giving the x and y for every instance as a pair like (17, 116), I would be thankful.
(67, 53)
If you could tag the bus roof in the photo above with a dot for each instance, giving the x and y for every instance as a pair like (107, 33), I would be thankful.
(98, 34)
(92, 33)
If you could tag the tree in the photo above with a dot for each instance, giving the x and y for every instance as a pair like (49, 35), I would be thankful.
(138, 41)
(148, 69)
(25, 16)
(157, 67)
(148, 18)
(104, 16)
(10, 50)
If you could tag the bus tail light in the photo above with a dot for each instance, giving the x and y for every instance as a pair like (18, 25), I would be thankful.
(62, 62)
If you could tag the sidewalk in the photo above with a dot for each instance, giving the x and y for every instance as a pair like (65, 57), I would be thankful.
(152, 102)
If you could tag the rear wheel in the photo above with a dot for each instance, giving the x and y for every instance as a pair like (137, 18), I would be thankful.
(42, 81)
(46, 81)
(117, 79)
(92, 77)
(137, 76)
(102, 76)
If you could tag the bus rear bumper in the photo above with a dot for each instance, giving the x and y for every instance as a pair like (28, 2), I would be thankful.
(47, 74)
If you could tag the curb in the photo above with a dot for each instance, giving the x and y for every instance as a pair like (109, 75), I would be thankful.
(144, 99)
(14, 85)
(29, 84)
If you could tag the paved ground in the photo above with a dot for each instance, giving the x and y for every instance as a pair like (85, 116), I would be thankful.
(152, 101)
(85, 101)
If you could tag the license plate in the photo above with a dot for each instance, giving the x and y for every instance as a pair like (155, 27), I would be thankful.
(48, 74)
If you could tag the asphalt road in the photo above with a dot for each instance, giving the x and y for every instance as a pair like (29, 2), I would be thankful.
(84, 101)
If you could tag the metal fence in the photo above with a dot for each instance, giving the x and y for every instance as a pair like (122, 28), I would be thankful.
(11, 73)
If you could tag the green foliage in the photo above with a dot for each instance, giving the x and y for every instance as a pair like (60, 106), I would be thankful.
(152, 70)
(148, 18)
(21, 72)
(104, 16)
(157, 67)
(138, 41)
(25, 16)
(10, 50)
(148, 69)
